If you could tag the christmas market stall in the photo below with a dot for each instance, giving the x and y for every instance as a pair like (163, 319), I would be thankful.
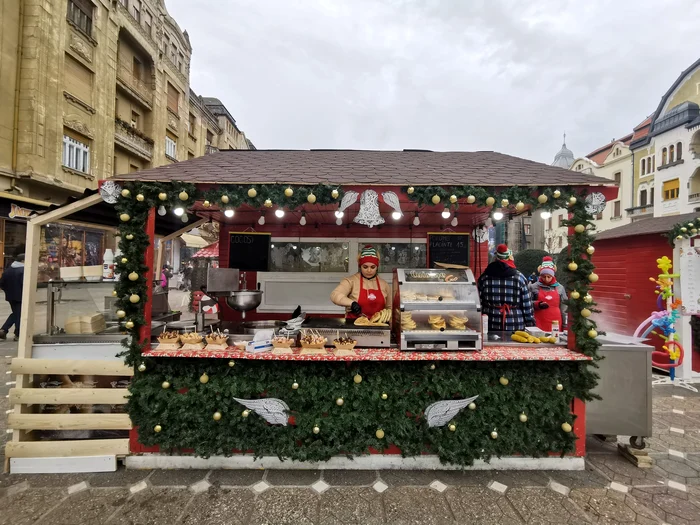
(402, 372)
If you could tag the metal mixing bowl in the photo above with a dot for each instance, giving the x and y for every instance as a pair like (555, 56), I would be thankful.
(244, 301)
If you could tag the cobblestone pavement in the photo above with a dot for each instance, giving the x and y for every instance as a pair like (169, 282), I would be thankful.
(609, 491)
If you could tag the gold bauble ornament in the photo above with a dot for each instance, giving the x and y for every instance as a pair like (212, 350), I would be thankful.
(593, 277)
(572, 200)
(357, 379)
(585, 313)
(311, 198)
(252, 193)
(694, 231)
(684, 229)
(124, 260)
(588, 298)
(679, 238)
(572, 266)
(183, 196)
(471, 199)
(124, 217)
(379, 433)
(494, 435)
(556, 194)
(452, 427)
(566, 427)
(435, 199)
(560, 387)
(267, 203)
(542, 199)
(206, 204)
(142, 367)
(133, 276)
(163, 196)
(245, 413)
(335, 194)
(690, 225)
(385, 397)
(520, 205)
(165, 385)
(204, 379)
(129, 236)
(575, 295)
(295, 386)
(410, 190)
(134, 298)
(121, 313)
(316, 430)
(580, 228)
(592, 333)
(114, 293)
(339, 401)
(504, 203)
(523, 418)
(231, 363)
(472, 406)
(157, 428)
(216, 416)
(453, 198)
(288, 192)
(490, 201)
(140, 197)
(125, 192)
(590, 250)
(503, 380)
(225, 199)
(432, 367)
(129, 325)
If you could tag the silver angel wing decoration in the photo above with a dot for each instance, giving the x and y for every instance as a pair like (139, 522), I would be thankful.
(392, 200)
(110, 191)
(369, 209)
(440, 413)
(272, 410)
(349, 199)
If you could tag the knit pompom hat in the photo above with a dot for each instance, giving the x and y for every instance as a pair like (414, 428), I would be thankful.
(503, 253)
(368, 254)
(547, 262)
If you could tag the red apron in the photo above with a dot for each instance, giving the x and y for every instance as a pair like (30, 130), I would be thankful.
(371, 301)
(544, 318)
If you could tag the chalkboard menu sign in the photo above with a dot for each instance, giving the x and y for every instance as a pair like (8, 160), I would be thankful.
(249, 251)
(448, 249)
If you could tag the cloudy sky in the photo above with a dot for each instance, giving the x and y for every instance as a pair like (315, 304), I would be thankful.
(438, 74)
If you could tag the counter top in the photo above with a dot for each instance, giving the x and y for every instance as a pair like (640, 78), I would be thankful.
(489, 353)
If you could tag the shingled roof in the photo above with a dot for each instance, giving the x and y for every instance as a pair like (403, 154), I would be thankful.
(365, 167)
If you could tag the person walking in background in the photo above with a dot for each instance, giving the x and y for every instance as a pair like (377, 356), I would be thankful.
(12, 282)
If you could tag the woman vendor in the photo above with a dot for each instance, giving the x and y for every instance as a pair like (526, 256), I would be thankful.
(364, 293)
(548, 297)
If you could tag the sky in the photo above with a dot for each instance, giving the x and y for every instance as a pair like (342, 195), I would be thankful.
(444, 75)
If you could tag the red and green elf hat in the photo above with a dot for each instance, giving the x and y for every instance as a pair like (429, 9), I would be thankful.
(368, 254)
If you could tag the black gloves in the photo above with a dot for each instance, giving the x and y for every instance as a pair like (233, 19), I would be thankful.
(355, 308)
(296, 312)
(542, 306)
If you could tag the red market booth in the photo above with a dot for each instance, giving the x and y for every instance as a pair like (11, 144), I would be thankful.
(292, 224)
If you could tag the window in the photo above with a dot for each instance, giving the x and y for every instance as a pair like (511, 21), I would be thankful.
(78, 79)
(671, 189)
(653, 163)
(148, 22)
(135, 119)
(135, 9)
(617, 213)
(671, 153)
(664, 157)
(191, 123)
(393, 255)
(562, 218)
(644, 166)
(80, 13)
(190, 155)
(618, 178)
(679, 151)
(210, 137)
(528, 228)
(76, 155)
(180, 62)
(599, 217)
(133, 168)
(125, 3)
(549, 223)
(136, 68)
(173, 98)
(651, 196)
(170, 148)
(643, 198)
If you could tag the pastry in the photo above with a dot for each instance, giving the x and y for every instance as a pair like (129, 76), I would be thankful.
(408, 296)
(433, 298)
(407, 322)
(421, 297)
(437, 322)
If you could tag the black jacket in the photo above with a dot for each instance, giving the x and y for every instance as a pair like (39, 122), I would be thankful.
(12, 281)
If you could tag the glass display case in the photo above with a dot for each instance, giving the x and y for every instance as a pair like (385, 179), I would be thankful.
(436, 310)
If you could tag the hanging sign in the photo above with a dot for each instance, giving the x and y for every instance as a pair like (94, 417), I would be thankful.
(448, 250)
(249, 251)
(690, 284)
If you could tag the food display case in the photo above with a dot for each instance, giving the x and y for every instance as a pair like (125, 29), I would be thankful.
(436, 309)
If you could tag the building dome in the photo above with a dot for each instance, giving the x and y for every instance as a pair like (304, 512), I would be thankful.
(565, 157)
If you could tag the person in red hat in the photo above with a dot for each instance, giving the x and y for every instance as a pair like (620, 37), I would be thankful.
(505, 297)
(363, 293)
(549, 297)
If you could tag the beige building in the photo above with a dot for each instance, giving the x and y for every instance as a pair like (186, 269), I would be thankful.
(91, 88)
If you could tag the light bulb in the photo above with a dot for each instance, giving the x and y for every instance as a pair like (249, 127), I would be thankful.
(294, 247)
(302, 221)
(228, 212)
(546, 215)
(454, 222)
(339, 214)
(396, 215)
(445, 213)
(279, 213)
(497, 215)
(416, 220)
(339, 221)
(261, 220)
(179, 211)
(161, 210)
(184, 218)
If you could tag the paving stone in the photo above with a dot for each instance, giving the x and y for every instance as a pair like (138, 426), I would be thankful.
(609, 506)
(617, 468)
(416, 505)
(220, 507)
(260, 487)
(404, 478)
(7, 480)
(44, 481)
(524, 478)
(438, 485)
(138, 487)
(497, 487)
(281, 506)
(480, 505)
(619, 487)
(351, 505)
(176, 478)
(121, 478)
(320, 486)
(200, 486)
(348, 478)
(678, 467)
(292, 477)
(152, 506)
(670, 505)
(235, 478)
(87, 507)
(596, 446)
(677, 486)
(559, 488)
(28, 506)
(540, 505)
(464, 478)
(78, 487)
(686, 421)
(578, 478)
(380, 486)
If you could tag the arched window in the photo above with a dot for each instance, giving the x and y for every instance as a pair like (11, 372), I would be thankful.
(644, 166)
(653, 163)
(664, 157)
(672, 153)
(679, 151)
(651, 195)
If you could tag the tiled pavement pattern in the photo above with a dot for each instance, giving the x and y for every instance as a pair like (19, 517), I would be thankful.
(609, 491)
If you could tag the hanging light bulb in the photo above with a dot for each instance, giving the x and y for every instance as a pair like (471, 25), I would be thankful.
(279, 213)
(228, 212)
(546, 215)
(339, 221)
(302, 221)
(454, 222)
(396, 215)
(446, 213)
(416, 220)
(339, 214)
(261, 220)
(179, 211)
(497, 215)
(161, 210)
(185, 218)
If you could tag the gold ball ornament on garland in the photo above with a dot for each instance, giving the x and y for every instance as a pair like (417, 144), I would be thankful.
(523, 418)
(163, 196)
(684, 229)
(316, 430)
(114, 293)
(592, 333)
(252, 193)
(311, 198)
(556, 194)
(142, 367)
(385, 397)
(216, 416)
(572, 200)
(231, 363)
(124, 260)
(472, 406)
(593, 277)
(157, 428)
(410, 190)
(129, 325)
(575, 295)
(379, 433)
(268, 203)
(339, 402)
(542, 198)
(588, 298)
(357, 379)
(560, 387)
(452, 427)
(225, 199)
(490, 201)
(129, 237)
(125, 192)
(590, 250)
(585, 313)
(503, 380)
(124, 217)
(183, 196)
(134, 298)
(121, 313)
(694, 231)
(295, 386)
(245, 413)
(679, 238)
(288, 192)
(494, 435)
(140, 197)
(435, 199)
(204, 378)
(572, 266)
(471, 199)
(335, 194)
(432, 367)
(580, 228)
(566, 427)
(520, 205)
(206, 204)
(165, 385)
(691, 225)
(504, 203)
(453, 198)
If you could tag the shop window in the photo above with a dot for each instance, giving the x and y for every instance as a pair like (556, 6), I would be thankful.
(170, 148)
(671, 189)
(309, 257)
(527, 228)
(679, 151)
(15, 235)
(644, 166)
(76, 155)
(68, 246)
(396, 255)
(80, 13)
(173, 98)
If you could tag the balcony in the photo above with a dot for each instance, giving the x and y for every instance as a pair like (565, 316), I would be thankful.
(136, 87)
(208, 149)
(639, 212)
(133, 140)
(694, 198)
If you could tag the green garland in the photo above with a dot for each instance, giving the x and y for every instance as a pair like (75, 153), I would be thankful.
(683, 230)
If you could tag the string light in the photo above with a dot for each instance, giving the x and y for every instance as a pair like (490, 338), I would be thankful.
(261, 220)
(185, 218)
(279, 213)
(396, 215)
(161, 210)
(179, 211)
(546, 215)
(497, 215)
(445, 213)
(339, 214)
(454, 222)
(228, 212)
(302, 221)
(416, 220)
